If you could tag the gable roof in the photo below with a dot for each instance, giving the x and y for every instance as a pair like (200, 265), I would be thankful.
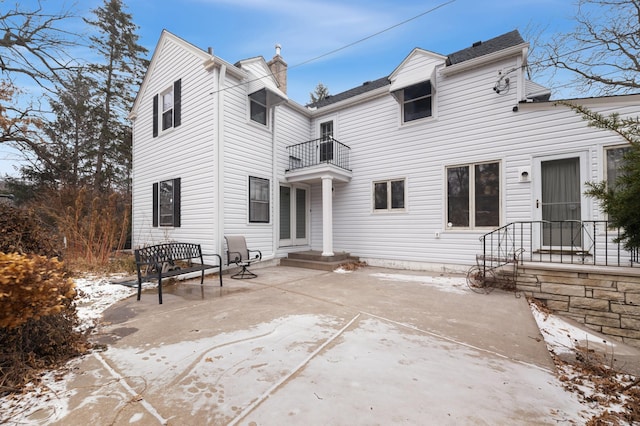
(208, 60)
(478, 49)
(481, 48)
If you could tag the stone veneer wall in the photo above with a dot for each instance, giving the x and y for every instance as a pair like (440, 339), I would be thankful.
(606, 299)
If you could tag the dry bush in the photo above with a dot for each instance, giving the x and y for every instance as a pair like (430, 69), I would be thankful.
(94, 226)
(21, 231)
(37, 313)
(37, 319)
(31, 286)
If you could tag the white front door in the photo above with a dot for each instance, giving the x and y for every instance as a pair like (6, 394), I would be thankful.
(560, 200)
(294, 217)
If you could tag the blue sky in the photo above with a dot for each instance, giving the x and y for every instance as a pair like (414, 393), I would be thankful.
(306, 29)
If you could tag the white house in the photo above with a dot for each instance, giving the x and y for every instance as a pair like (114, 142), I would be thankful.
(408, 170)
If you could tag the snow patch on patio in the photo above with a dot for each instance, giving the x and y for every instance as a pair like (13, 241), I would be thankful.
(450, 284)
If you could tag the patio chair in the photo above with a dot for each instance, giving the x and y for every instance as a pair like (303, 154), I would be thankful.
(239, 255)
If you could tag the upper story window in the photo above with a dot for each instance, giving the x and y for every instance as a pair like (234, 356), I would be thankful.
(167, 108)
(258, 107)
(614, 161)
(473, 195)
(389, 195)
(417, 101)
(326, 141)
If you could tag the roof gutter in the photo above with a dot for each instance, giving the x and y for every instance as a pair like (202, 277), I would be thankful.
(480, 60)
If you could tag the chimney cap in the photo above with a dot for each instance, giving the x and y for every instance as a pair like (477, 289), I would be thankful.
(278, 47)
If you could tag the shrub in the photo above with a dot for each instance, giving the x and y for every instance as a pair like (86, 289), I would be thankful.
(22, 232)
(31, 286)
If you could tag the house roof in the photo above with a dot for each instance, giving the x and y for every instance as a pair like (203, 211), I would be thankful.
(481, 48)
(478, 49)
(363, 88)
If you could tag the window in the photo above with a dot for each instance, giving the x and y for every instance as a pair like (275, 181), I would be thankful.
(388, 195)
(258, 106)
(258, 200)
(416, 101)
(473, 195)
(166, 203)
(615, 160)
(326, 141)
(167, 108)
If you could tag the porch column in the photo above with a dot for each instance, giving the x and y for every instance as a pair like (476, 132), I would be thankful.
(327, 216)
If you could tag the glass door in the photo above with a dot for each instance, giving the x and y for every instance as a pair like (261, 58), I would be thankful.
(293, 215)
(560, 203)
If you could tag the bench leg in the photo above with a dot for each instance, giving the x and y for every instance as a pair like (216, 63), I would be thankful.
(160, 290)
(139, 288)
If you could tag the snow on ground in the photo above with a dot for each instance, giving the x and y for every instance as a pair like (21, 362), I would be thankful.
(96, 294)
(442, 283)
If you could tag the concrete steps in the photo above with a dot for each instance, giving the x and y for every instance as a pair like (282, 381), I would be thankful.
(315, 260)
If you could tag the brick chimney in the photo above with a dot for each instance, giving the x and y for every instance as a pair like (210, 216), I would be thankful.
(278, 68)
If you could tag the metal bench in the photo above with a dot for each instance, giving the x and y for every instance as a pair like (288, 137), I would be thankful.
(170, 260)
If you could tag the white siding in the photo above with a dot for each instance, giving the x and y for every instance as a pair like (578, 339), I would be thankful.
(185, 152)
(471, 123)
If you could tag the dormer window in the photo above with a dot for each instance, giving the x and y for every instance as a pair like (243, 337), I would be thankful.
(417, 101)
(258, 107)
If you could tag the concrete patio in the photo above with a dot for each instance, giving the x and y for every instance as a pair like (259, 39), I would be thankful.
(297, 346)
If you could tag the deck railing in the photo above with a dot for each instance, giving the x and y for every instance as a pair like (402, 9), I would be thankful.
(588, 242)
(324, 150)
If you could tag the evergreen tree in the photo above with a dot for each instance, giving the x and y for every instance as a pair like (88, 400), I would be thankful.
(620, 200)
(116, 77)
(321, 92)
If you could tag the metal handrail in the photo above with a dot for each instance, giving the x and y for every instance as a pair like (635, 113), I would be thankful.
(325, 150)
(568, 241)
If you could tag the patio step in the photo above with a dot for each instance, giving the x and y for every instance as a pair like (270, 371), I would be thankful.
(315, 260)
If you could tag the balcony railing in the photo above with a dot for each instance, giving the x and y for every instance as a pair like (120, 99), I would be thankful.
(319, 151)
(589, 242)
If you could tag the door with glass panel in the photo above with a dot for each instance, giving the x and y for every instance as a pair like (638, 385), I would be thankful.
(326, 141)
(293, 215)
(559, 202)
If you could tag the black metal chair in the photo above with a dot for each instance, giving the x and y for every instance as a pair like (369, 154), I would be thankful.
(239, 255)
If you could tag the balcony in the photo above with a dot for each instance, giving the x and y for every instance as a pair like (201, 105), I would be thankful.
(319, 157)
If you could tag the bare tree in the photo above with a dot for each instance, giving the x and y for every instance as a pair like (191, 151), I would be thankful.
(604, 50)
(34, 43)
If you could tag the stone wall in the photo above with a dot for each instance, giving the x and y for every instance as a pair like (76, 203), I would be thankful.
(606, 299)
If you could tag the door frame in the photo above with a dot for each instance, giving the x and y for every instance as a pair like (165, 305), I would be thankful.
(293, 240)
(585, 211)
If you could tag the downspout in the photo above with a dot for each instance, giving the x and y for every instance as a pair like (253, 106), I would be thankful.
(220, 157)
(276, 186)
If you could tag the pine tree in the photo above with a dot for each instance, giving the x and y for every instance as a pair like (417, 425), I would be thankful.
(122, 69)
(321, 92)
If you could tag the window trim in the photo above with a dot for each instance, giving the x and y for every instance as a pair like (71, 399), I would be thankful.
(174, 206)
(472, 195)
(252, 101)
(389, 200)
(251, 202)
(168, 111)
(605, 176)
(175, 110)
(404, 102)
